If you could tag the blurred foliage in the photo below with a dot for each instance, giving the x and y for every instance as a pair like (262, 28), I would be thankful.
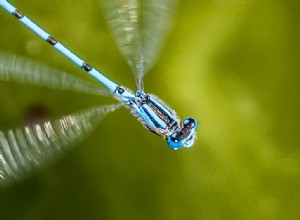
(231, 64)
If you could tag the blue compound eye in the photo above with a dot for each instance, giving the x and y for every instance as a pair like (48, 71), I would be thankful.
(174, 141)
(185, 137)
(190, 122)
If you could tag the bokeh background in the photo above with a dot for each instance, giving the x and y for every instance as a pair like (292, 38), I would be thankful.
(234, 65)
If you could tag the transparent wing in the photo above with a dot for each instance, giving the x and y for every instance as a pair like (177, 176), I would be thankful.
(139, 29)
(18, 69)
(24, 149)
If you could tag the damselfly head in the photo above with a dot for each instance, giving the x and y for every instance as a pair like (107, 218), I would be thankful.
(184, 137)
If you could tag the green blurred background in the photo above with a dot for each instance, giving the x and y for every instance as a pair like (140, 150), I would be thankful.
(231, 64)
